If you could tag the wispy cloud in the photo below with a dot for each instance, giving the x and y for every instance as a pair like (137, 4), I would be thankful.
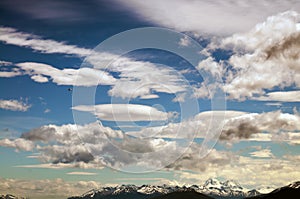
(131, 82)
(14, 37)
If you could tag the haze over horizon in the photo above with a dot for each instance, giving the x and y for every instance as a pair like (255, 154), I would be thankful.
(137, 92)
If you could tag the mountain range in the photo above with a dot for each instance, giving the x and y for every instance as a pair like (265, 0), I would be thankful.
(212, 188)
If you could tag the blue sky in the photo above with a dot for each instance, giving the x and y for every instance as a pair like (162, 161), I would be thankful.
(84, 102)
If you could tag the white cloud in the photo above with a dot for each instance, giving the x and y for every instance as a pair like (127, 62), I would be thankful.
(271, 49)
(265, 153)
(180, 97)
(281, 96)
(9, 73)
(19, 144)
(185, 41)
(12, 36)
(39, 78)
(67, 76)
(211, 66)
(81, 173)
(150, 96)
(47, 110)
(14, 105)
(81, 165)
(273, 104)
(202, 91)
(215, 17)
(125, 112)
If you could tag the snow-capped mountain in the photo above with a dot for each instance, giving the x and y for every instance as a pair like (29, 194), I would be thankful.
(212, 187)
(228, 188)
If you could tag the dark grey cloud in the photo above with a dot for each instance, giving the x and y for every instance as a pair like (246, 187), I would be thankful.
(243, 130)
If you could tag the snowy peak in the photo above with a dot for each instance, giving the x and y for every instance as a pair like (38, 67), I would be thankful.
(232, 184)
(228, 188)
(229, 184)
(212, 182)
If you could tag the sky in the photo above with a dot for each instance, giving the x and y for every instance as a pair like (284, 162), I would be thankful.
(104, 93)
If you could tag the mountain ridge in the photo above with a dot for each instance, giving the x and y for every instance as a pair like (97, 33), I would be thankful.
(212, 187)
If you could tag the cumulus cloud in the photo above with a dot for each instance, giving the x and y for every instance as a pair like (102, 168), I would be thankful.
(271, 49)
(211, 66)
(14, 105)
(243, 130)
(95, 146)
(213, 17)
(191, 160)
(70, 144)
(125, 112)
(19, 144)
(269, 126)
(92, 146)
(184, 41)
(246, 126)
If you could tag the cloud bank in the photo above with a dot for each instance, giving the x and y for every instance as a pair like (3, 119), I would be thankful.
(215, 17)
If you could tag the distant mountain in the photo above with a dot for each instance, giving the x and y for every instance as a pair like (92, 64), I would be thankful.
(211, 187)
(189, 194)
(123, 192)
(292, 191)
